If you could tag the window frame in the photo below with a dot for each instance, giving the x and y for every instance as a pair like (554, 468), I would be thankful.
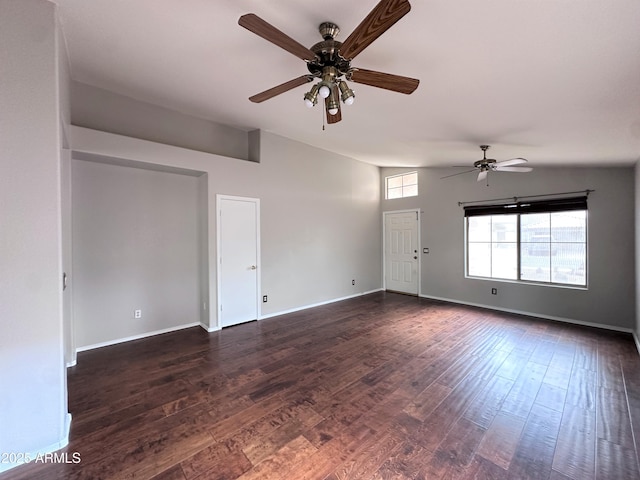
(402, 187)
(524, 208)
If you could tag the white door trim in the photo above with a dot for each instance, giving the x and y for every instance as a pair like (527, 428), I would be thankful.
(384, 246)
(219, 198)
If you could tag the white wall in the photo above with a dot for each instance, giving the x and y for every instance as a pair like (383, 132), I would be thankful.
(135, 246)
(320, 224)
(610, 298)
(33, 410)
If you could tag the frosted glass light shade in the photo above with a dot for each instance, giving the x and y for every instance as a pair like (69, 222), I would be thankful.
(324, 91)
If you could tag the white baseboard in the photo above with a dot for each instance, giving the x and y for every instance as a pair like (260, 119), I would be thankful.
(297, 309)
(215, 328)
(533, 314)
(67, 430)
(64, 441)
(209, 329)
(136, 337)
(637, 340)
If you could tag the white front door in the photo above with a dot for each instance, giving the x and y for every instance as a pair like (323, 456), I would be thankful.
(238, 259)
(401, 251)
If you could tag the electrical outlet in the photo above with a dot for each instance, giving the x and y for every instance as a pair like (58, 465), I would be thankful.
(353, 282)
(264, 299)
(494, 291)
(137, 314)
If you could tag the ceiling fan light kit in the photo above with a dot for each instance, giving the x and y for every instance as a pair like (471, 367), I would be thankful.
(330, 60)
(311, 97)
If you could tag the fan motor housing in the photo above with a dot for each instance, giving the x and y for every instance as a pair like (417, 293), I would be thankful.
(328, 52)
(484, 163)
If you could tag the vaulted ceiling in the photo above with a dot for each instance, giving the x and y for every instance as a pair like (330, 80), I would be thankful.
(554, 81)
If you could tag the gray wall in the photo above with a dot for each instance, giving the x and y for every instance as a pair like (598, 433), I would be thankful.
(135, 246)
(99, 109)
(610, 298)
(320, 214)
(637, 256)
(320, 224)
(33, 410)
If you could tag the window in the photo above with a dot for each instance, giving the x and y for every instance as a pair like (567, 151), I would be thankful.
(400, 186)
(541, 242)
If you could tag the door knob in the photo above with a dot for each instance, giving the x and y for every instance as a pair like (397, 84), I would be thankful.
(415, 258)
(253, 267)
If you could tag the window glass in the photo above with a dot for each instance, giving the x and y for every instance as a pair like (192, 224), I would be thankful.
(504, 261)
(479, 229)
(394, 182)
(410, 179)
(568, 247)
(534, 247)
(400, 186)
(479, 261)
(410, 191)
(394, 192)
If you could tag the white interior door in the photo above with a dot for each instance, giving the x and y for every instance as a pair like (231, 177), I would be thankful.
(238, 259)
(401, 251)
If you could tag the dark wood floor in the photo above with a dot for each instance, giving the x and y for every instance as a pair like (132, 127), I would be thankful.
(379, 387)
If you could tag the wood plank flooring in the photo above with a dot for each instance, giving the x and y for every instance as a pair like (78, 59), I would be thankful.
(383, 386)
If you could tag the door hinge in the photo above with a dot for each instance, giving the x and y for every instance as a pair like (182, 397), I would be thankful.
(417, 216)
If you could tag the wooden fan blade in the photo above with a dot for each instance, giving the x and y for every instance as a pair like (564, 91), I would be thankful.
(387, 81)
(379, 20)
(331, 119)
(255, 24)
(283, 87)
(513, 161)
(513, 169)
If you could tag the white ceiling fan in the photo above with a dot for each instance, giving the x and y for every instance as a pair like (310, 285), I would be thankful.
(487, 165)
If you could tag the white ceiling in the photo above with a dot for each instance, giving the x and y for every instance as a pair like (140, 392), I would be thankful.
(554, 81)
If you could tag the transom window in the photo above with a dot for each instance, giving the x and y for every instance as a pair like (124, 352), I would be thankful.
(400, 186)
(541, 242)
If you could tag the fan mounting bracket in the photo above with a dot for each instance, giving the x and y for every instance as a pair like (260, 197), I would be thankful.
(329, 30)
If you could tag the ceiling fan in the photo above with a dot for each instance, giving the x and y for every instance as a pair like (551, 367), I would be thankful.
(487, 165)
(330, 60)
